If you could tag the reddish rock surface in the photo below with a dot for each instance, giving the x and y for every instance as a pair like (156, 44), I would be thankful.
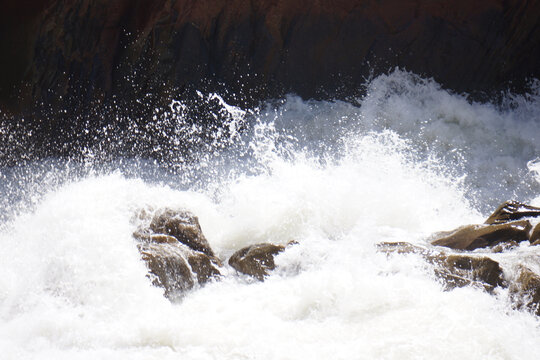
(70, 68)
(99, 48)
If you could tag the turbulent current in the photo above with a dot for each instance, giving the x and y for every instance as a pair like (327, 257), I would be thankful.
(404, 161)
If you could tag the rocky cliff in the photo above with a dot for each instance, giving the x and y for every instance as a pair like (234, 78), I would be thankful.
(74, 54)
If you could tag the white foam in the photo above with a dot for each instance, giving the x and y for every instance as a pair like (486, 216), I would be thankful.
(72, 284)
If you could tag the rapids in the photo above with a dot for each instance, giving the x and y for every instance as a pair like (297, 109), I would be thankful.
(407, 160)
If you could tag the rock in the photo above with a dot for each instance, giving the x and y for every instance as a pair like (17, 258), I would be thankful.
(256, 260)
(168, 268)
(535, 235)
(459, 270)
(526, 290)
(454, 270)
(175, 250)
(511, 211)
(401, 247)
(154, 238)
(472, 237)
(163, 239)
(504, 246)
(182, 225)
(203, 266)
(175, 267)
(463, 270)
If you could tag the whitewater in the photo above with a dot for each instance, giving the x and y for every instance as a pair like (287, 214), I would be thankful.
(406, 160)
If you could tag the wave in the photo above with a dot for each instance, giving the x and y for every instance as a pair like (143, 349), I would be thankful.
(409, 159)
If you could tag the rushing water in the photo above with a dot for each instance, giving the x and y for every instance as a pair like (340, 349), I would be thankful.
(338, 178)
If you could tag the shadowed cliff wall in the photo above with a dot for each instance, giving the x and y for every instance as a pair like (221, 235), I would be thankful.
(60, 59)
(95, 49)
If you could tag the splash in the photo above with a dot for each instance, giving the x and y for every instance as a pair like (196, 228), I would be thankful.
(338, 178)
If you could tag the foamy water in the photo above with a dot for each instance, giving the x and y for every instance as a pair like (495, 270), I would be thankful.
(411, 159)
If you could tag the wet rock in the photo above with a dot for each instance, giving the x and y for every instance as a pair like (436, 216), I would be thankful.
(163, 239)
(454, 270)
(256, 260)
(154, 238)
(182, 225)
(535, 235)
(463, 270)
(168, 268)
(472, 237)
(511, 211)
(175, 267)
(204, 267)
(526, 290)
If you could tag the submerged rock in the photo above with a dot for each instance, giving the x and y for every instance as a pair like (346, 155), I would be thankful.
(175, 250)
(472, 237)
(503, 230)
(527, 290)
(504, 247)
(511, 211)
(256, 260)
(535, 235)
(182, 225)
(463, 270)
(454, 270)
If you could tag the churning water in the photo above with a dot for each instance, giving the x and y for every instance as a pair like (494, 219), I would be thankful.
(408, 160)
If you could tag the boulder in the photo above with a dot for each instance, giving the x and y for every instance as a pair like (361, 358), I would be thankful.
(511, 211)
(526, 290)
(535, 235)
(454, 270)
(459, 270)
(175, 250)
(256, 260)
(182, 225)
(175, 267)
(472, 237)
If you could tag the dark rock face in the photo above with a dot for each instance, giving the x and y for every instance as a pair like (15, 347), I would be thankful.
(95, 50)
(74, 72)
(256, 260)
(472, 237)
